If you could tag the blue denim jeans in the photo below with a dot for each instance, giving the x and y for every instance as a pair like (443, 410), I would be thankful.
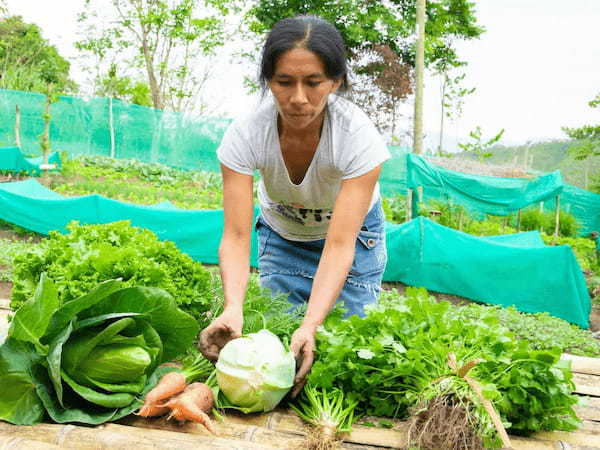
(289, 266)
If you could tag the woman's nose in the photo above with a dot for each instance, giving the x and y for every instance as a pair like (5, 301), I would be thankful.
(298, 95)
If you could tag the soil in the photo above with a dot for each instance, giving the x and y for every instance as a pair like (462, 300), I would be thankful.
(5, 288)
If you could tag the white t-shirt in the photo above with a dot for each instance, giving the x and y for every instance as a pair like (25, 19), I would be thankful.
(350, 146)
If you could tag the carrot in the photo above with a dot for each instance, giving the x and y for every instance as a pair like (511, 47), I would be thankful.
(169, 385)
(193, 404)
(152, 411)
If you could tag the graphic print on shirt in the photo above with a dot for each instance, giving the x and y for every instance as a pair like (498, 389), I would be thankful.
(301, 215)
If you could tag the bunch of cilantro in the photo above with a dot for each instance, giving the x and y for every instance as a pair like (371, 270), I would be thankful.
(397, 356)
(90, 254)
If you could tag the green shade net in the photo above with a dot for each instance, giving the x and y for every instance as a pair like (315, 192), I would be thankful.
(507, 270)
(510, 270)
(12, 160)
(109, 127)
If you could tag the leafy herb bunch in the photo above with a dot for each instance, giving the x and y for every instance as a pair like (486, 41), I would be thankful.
(89, 254)
(397, 356)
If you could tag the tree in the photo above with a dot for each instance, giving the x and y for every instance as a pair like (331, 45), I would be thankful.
(371, 27)
(124, 88)
(588, 136)
(162, 39)
(478, 147)
(28, 62)
(452, 95)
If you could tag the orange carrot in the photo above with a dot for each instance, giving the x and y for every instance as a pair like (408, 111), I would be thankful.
(152, 411)
(169, 385)
(193, 404)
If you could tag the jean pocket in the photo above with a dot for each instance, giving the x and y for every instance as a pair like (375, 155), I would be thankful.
(264, 233)
(370, 255)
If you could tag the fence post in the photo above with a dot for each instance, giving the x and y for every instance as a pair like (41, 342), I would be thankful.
(409, 193)
(518, 220)
(557, 216)
(17, 126)
(111, 127)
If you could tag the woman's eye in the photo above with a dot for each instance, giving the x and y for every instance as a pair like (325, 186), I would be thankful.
(283, 83)
(314, 83)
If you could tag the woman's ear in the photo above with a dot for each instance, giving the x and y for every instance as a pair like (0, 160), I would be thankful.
(336, 85)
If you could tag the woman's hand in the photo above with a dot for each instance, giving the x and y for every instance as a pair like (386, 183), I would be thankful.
(303, 347)
(223, 329)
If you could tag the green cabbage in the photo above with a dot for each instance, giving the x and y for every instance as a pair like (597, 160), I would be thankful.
(255, 371)
(90, 359)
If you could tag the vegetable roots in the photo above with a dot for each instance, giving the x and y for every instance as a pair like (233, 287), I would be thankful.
(193, 404)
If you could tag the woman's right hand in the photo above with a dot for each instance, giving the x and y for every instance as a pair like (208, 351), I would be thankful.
(223, 329)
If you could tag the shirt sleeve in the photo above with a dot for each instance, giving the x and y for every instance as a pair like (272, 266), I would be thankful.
(235, 150)
(366, 150)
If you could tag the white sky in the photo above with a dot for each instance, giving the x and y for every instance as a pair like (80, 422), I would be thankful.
(534, 69)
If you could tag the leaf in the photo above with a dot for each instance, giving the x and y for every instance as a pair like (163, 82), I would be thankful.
(19, 402)
(69, 310)
(177, 329)
(31, 320)
(54, 359)
(116, 400)
(365, 354)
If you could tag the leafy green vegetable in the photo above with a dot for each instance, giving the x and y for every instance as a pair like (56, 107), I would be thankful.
(90, 254)
(90, 359)
(399, 351)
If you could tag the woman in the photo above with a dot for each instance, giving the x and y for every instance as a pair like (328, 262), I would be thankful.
(321, 236)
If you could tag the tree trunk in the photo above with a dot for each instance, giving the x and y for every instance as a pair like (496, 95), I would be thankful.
(419, 72)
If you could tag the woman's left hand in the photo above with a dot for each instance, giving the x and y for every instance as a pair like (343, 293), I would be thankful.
(303, 347)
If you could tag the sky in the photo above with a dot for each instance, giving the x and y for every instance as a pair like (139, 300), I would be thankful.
(534, 69)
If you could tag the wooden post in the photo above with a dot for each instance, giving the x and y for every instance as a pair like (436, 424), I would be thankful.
(419, 75)
(557, 216)
(518, 220)
(46, 133)
(460, 217)
(17, 126)
(541, 207)
(111, 127)
(409, 204)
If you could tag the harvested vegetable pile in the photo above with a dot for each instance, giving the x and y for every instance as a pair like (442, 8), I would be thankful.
(91, 359)
(396, 361)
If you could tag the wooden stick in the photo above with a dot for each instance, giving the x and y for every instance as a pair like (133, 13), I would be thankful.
(18, 126)
(409, 193)
(557, 216)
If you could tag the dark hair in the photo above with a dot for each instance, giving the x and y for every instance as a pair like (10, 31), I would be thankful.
(309, 32)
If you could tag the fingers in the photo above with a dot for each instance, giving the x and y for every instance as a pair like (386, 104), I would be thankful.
(307, 362)
(298, 387)
(213, 338)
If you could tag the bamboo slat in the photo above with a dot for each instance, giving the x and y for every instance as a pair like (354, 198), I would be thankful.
(587, 384)
(9, 442)
(583, 364)
(121, 437)
(4, 303)
(589, 409)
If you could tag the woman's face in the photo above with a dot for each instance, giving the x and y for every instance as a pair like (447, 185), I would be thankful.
(301, 88)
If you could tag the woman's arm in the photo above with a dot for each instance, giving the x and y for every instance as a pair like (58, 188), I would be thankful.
(234, 255)
(234, 251)
(351, 207)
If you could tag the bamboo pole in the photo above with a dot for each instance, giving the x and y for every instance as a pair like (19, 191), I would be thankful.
(519, 220)
(17, 126)
(419, 76)
(557, 216)
(409, 193)
(111, 127)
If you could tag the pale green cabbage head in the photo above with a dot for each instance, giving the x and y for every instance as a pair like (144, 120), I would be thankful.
(255, 371)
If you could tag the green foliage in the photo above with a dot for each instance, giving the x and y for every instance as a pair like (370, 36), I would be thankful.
(386, 361)
(479, 147)
(394, 208)
(159, 41)
(540, 330)
(587, 136)
(371, 22)
(136, 182)
(89, 254)
(90, 359)
(124, 88)
(534, 219)
(28, 62)
(9, 249)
